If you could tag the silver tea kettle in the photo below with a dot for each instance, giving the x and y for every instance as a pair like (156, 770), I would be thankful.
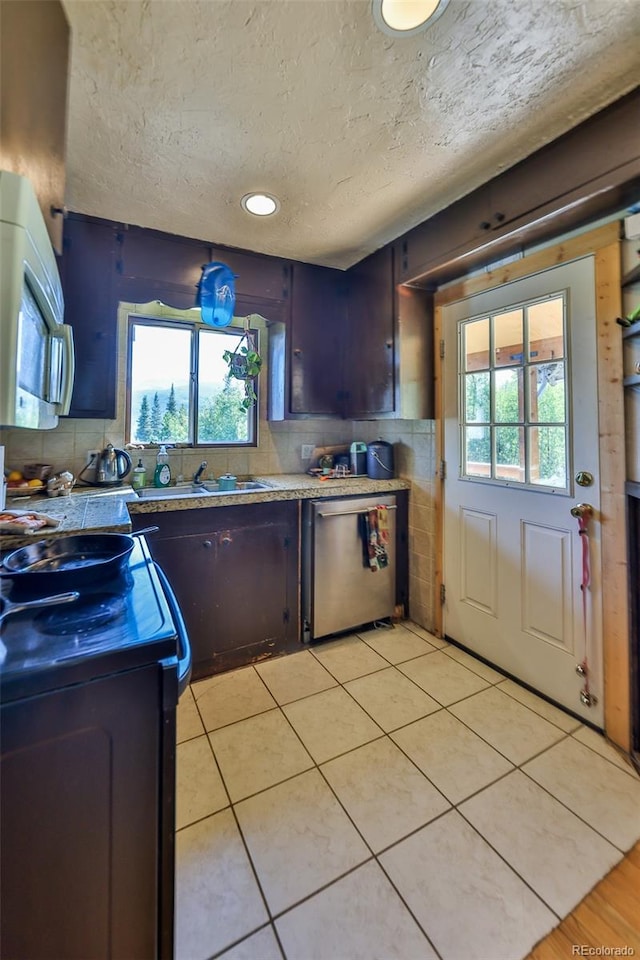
(111, 466)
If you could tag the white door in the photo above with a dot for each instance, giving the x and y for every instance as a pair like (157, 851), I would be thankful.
(521, 425)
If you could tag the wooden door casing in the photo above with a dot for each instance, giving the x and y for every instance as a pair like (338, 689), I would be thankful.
(604, 243)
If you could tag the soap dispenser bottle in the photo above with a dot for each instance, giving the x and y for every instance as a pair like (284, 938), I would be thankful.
(139, 476)
(162, 473)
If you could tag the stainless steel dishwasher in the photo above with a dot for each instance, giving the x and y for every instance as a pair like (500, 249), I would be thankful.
(339, 591)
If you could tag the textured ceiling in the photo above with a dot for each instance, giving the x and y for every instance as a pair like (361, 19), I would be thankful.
(179, 107)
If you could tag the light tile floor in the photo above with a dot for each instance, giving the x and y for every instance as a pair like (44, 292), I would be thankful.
(388, 796)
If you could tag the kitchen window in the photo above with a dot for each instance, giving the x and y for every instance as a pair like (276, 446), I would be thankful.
(514, 408)
(178, 387)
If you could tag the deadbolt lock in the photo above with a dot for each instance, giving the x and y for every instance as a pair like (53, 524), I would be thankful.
(584, 478)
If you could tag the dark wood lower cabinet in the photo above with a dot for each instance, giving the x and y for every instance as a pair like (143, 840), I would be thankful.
(234, 571)
(85, 838)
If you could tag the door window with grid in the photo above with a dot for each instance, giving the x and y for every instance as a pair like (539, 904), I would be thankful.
(513, 397)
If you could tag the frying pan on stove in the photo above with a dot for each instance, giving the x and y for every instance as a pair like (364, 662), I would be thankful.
(8, 607)
(70, 561)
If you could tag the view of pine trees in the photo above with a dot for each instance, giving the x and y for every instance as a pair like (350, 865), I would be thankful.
(547, 399)
(163, 418)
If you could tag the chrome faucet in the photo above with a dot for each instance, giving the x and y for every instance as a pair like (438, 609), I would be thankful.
(197, 475)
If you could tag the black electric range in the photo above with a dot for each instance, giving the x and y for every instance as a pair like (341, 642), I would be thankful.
(116, 624)
(88, 703)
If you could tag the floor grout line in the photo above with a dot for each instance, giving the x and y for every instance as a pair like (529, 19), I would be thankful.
(373, 856)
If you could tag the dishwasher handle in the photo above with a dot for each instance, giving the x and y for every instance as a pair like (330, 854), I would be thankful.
(350, 513)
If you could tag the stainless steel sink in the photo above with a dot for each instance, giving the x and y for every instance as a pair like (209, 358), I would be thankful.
(207, 489)
(242, 486)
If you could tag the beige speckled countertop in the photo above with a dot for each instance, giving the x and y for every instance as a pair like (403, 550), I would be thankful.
(92, 510)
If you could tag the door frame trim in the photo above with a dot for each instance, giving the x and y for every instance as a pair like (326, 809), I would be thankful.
(603, 244)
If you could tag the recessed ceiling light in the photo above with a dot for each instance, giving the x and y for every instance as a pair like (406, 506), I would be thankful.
(403, 18)
(260, 204)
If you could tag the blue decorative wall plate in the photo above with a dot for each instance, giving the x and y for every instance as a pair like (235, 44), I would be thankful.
(216, 294)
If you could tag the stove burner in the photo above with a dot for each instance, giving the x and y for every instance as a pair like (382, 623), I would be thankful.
(88, 614)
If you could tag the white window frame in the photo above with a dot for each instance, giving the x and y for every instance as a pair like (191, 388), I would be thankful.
(194, 327)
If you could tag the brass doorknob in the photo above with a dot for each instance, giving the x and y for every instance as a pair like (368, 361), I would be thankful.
(582, 510)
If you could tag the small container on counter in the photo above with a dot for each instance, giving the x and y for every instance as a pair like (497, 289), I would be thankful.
(61, 485)
(358, 458)
(380, 460)
(139, 476)
(227, 482)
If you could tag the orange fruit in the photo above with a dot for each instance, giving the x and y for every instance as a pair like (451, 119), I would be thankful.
(15, 477)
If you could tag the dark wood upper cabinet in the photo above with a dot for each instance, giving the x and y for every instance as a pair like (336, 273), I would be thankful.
(464, 223)
(591, 171)
(256, 275)
(158, 266)
(91, 308)
(369, 347)
(155, 265)
(34, 57)
(359, 345)
(583, 161)
(317, 340)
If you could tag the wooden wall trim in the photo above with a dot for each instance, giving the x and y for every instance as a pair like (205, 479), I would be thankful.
(439, 486)
(572, 249)
(604, 244)
(615, 606)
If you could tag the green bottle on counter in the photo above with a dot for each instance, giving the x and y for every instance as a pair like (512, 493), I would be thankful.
(139, 476)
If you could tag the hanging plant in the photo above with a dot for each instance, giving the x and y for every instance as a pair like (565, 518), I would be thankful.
(245, 363)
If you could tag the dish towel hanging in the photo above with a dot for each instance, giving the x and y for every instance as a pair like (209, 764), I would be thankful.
(374, 532)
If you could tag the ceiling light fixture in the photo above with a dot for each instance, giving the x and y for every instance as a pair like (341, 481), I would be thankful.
(260, 204)
(404, 18)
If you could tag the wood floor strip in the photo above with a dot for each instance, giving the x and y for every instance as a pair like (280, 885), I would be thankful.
(555, 946)
(609, 916)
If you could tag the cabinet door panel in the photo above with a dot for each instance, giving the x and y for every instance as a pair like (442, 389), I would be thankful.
(80, 820)
(236, 582)
(318, 315)
(256, 610)
(369, 367)
(88, 271)
(256, 276)
(573, 162)
(172, 263)
(162, 258)
(463, 224)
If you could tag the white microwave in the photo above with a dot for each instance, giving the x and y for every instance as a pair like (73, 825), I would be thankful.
(36, 347)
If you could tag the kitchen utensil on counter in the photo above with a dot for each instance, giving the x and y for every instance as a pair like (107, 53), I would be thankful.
(111, 467)
(358, 459)
(227, 482)
(70, 561)
(380, 460)
(325, 462)
(8, 607)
